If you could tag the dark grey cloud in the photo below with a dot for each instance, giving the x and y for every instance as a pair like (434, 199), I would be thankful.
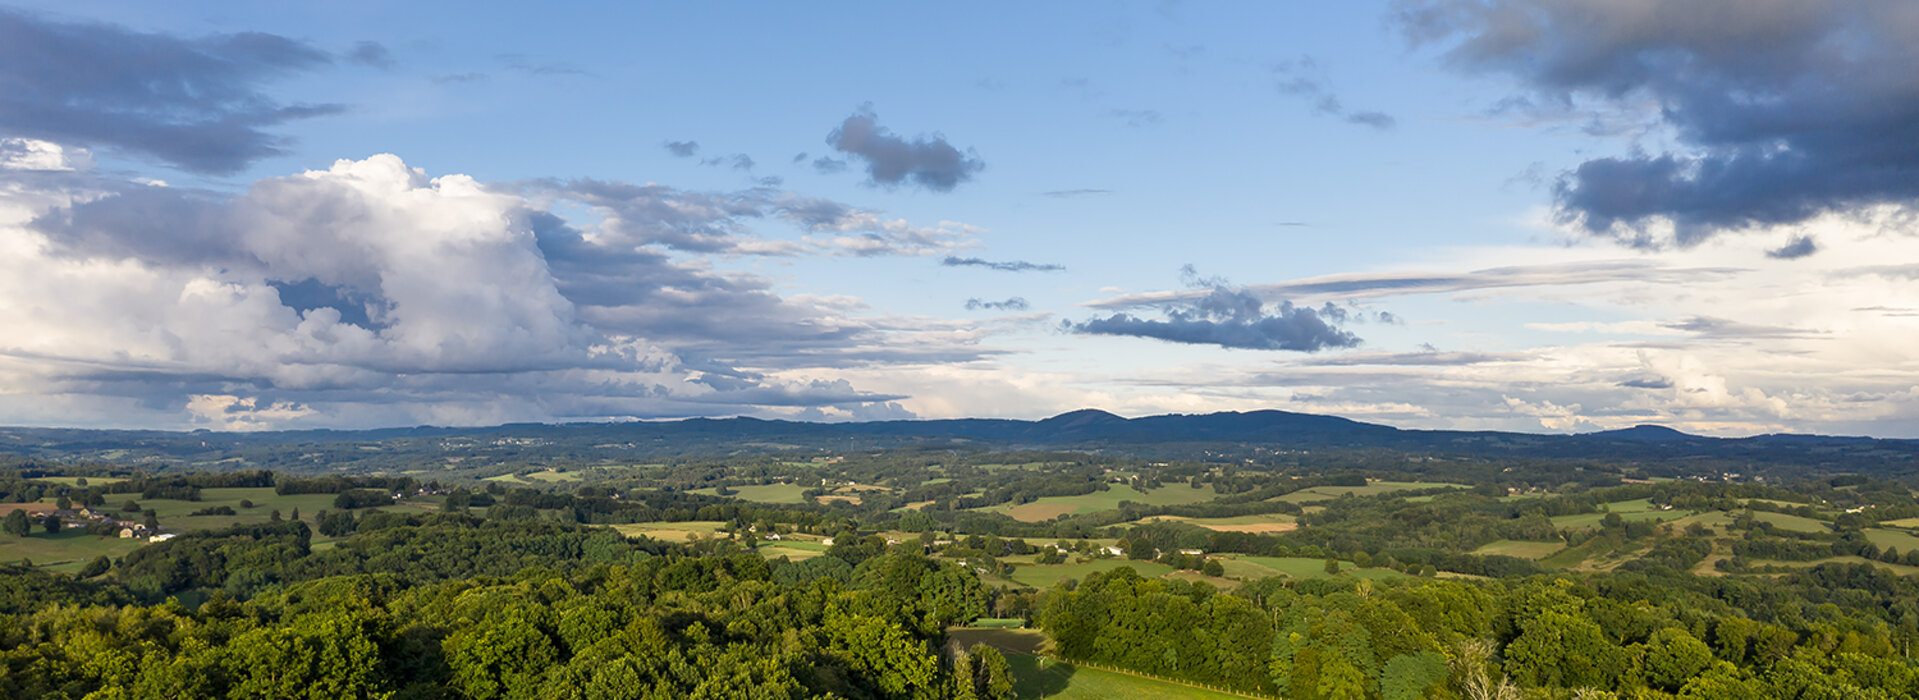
(371, 53)
(1231, 318)
(682, 149)
(1786, 109)
(1798, 247)
(194, 103)
(891, 160)
(1303, 78)
(1002, 266)
(1011, 304)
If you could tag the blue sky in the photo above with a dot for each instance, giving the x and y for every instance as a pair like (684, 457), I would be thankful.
(1526, 215)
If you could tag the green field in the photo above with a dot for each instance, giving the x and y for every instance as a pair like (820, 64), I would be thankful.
(998, 623)
(71, 549)
(671, 532)
(1253, 568)
(1267, 522)
(1046, 576)
(69, 480)
(763, 493)
(1637, 510)
(65, 552)
(1327, 493)
(1906, 542)
(790, 550)
(1898, 569)
(1790, 522)
(1905, 523)
(1054, 506)
(173, 514)
(1041, 677)
(1522, 550)
(545, 476)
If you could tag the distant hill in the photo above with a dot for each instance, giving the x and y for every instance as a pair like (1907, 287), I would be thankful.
(1198, 436)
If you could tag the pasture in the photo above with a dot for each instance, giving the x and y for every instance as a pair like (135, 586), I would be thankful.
(1317, 494)
(763, 493)
(1267, 522)
(1055, 506)
(1521, 549)
(671, 531)
(1793, 523)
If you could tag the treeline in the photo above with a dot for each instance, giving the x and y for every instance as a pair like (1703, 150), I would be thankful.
(676, 626)
(1342, 638)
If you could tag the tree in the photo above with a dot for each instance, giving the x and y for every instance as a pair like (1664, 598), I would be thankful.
(1674, 657)
(1409, 676)
(296, 514)
(64, 503)
(98, 566)
(152, 520)
(1213, 568)
(18, 523)
(1332, 565)
(131, 506)
(993, 678)
(274, 516)
(52, 524)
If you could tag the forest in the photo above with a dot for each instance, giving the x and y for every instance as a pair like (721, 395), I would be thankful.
(1329, 574)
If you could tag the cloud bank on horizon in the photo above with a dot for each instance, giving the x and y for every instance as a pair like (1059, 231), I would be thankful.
(221, 226)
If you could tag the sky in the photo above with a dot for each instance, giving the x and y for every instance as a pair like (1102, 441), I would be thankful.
(1532, 215)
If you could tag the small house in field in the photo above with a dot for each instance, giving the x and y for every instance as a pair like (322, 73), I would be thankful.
(126, 533)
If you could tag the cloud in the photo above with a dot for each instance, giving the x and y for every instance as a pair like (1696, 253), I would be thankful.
(1303, 78)
(371, 53)
(1374, 285)
(737, 161)
(1429, 358)
(370, 293)
(1067, 194)
(929, 162)
(682, 149)
(1002, 266)
(520, 62)
(1647, 383)
(1231, 318)
(1137, 118)
(1798, 247)
(829, 166)
(1011, 304)
(457, 78)
(1783, 110)
(194, 103)
(1722, 328)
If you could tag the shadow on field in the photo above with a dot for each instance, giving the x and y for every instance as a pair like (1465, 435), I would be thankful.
(1038, 677)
